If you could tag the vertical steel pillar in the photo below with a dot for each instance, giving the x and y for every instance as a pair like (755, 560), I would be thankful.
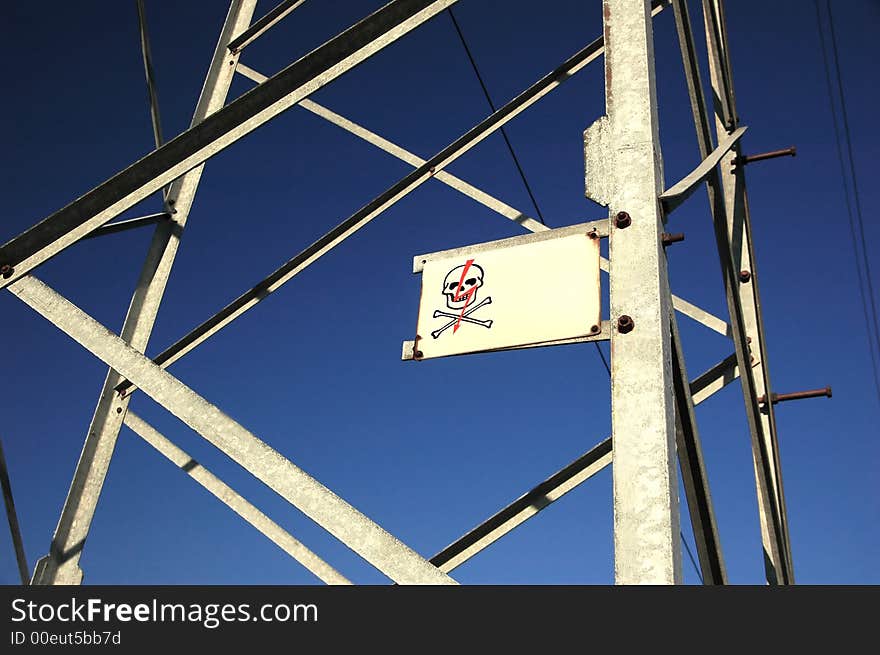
(624, 171)
(778, 565)
(61, 565)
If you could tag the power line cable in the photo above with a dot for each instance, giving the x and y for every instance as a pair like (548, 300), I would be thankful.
(492, 106)
(519, 167)
(848, 202)
(691, 556)
(852, 166)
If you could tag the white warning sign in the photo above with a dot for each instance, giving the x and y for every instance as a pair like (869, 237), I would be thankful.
(511, 293)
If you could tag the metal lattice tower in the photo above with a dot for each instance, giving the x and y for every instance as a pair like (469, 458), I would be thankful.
(653, 398)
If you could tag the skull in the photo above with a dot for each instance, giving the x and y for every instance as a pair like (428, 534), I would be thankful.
(459, 298)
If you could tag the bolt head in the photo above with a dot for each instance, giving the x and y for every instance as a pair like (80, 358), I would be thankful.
(6, 271)
(625, 324)
(745, 276)
(622, 220)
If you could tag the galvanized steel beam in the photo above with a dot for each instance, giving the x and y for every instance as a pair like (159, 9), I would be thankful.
(715, 379)
(675, 195)
(378, 547)
(624, 172)
(766, 453)
(234, 501)
(61, 565)
(215, 133)
(774, 545)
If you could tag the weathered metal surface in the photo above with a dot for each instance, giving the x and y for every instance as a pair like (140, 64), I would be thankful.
(765, 445)
(381, 549)
(624, 171)
(682, 190)
(726, 121)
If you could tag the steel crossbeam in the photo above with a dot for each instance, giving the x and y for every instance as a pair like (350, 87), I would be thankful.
(216, 132)
(339, 518)
(653, 416)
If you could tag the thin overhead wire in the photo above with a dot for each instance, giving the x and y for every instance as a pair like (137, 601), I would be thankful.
(691, 556)
(854, 218)
(519, 167)
(855, 183)
(492, 106)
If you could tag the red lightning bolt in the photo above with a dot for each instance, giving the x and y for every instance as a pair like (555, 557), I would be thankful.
(467, 296)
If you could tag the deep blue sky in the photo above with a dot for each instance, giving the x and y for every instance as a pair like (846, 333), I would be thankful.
(427, 450)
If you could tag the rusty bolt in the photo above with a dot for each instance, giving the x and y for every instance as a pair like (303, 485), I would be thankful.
(625, 324)
(744, 276)
(594, 329)
(622, 220)
(418, 354)
(668, 238)
(6, 271)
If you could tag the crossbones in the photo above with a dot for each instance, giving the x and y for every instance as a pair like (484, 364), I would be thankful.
(464, 317)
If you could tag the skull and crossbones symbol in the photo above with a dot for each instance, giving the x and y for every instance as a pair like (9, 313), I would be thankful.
(460, 288)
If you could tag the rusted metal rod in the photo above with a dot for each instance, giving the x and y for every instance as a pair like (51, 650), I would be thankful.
(668, 238)
(796, 395)
(748, 159)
